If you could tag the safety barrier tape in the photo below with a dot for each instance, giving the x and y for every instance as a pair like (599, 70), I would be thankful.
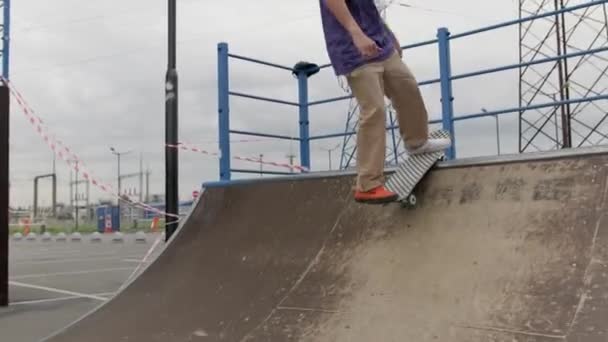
(232, 141)
(253, 160)
(192, 148)
(67, 155)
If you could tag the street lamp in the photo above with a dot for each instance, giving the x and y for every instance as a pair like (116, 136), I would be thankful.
(329, 151)
(171, 124)
(497, 130)
(118, 178)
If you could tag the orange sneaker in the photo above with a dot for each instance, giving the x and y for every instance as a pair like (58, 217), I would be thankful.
(377, 195)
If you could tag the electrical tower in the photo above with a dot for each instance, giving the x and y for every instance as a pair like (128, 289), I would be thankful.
(5, 33)
(562, 125)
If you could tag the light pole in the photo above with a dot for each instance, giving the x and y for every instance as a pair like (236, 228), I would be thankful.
(4, 190)
(118, 178)
(74, 192)
(76, 199)
(291, 157)
(171, 126)
(329, 151)
(497, 130)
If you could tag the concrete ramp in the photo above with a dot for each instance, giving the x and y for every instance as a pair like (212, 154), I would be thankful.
(500, 251)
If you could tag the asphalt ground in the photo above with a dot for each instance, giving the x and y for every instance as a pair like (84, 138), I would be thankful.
(53, 283)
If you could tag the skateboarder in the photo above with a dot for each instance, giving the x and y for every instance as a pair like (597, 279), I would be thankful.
(362, 48)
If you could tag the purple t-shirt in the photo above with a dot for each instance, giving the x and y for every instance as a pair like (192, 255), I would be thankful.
(343, 53)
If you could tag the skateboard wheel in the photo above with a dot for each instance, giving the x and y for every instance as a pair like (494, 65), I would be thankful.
(411, 200)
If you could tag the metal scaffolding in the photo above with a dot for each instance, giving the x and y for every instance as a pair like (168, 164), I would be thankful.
(562, 125)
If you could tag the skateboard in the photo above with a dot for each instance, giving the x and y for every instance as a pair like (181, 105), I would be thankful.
(411, 171)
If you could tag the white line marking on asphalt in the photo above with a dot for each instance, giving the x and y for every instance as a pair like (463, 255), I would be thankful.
(27, 256)
(143, 261)
(61, 261)
(42, 275)
(55, 290)
(59, 299)
(132, 260)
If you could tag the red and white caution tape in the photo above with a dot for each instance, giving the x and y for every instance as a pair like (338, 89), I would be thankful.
(76, 163)
(66, 154)
(283, 165)
(248, 141)
(192, 148)
(234, 141)
(57, 146)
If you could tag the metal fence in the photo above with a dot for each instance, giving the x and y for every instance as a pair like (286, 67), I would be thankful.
(445, 80)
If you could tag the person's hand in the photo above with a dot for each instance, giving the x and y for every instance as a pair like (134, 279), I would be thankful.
(367, 47)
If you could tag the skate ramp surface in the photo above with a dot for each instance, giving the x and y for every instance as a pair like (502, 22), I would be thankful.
(500, 251)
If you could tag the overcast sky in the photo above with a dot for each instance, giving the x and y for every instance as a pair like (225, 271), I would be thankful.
(94, 72)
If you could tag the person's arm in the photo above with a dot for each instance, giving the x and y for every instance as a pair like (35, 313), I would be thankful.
(366, 46)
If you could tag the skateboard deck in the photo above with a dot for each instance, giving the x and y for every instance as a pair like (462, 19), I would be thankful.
(411, 171)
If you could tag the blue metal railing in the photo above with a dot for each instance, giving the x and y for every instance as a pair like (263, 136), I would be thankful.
(303, 105)
(304, 121)
(224, 110)
(447, 97)
(445, 80)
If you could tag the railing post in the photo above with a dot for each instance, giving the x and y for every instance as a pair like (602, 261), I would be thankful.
(447, 98)
(224, 110)
(304, 123)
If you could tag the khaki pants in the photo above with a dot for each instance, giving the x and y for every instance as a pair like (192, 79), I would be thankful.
(369, 84)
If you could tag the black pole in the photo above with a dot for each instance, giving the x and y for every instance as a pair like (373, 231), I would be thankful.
(71, 188)
(54, 200)
(36, 197)
(76, 199)
(54, 193)
(4, 192)
(171, 127)
(119, 184)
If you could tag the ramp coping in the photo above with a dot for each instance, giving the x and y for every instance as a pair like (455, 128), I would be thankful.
(456, 163)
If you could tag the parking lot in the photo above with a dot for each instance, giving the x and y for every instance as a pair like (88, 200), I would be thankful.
(53, 283)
